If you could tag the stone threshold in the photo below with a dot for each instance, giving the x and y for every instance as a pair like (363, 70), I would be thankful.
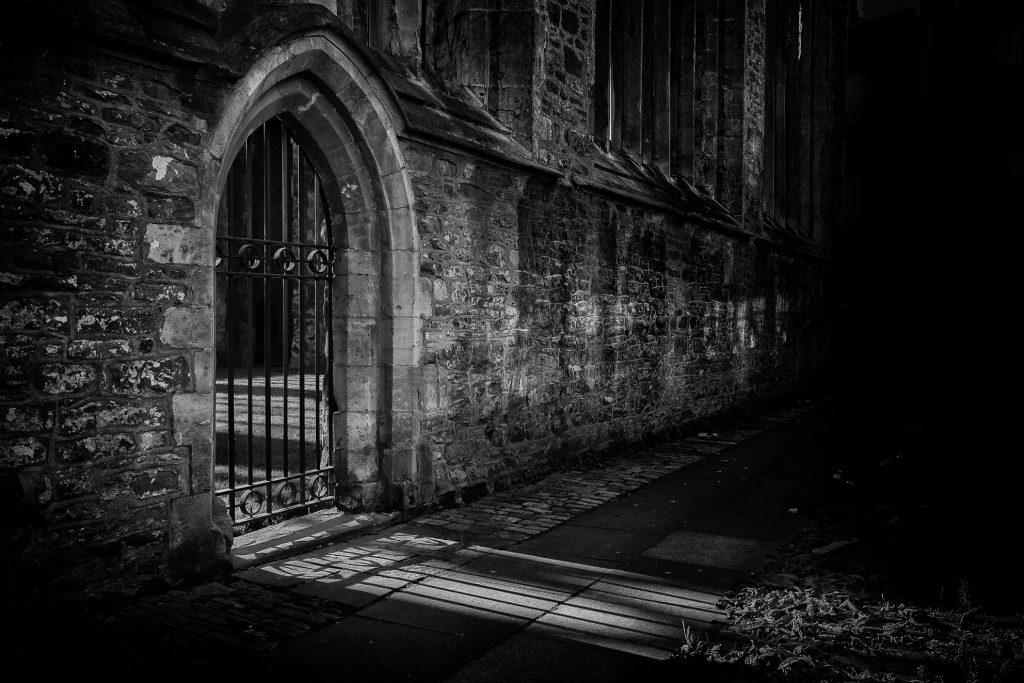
(303, 534)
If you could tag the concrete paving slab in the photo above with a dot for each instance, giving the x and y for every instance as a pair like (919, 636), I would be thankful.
(657, 597)
(754, 503)
(543, 572)
(434, 611)
(797, 490)
(354, 594)
(340, 562)
(743, 524)
(685, 574)
(588, 542)
(535, 659)
(692, 490)
(624, 515)
(609, 631)
(367, 649)
(647, 605)
(710, 550)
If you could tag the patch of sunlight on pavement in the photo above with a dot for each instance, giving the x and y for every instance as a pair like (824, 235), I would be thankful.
(269, 550)
(418, 542)
(615, 609)
(327, 565)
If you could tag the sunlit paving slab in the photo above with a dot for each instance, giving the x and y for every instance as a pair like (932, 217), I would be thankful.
(437, 612)
(534, 571)
(712, 550)
(590, 543)
(656, 594)
(647, 606)
(421, 542)
(503, 601)
(636, 625)
(609, 631)
(326, 565)
(500, 581)
(357, 593)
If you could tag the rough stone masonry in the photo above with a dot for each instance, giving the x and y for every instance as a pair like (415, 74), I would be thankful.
(551, 241)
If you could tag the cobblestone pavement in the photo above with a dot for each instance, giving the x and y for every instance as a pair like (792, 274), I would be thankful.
(270, 608)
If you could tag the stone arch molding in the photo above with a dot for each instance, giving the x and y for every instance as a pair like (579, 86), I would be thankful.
(346, 119)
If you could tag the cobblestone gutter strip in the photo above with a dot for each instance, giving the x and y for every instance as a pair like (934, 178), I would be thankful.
(257, 610)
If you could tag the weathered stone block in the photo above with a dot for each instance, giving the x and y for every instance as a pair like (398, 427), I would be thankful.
(161, 293)
(157, 172)
(204, 370)
(27, 419)
(170, 209)
(74, 154)
(115, 320)
(155, 482)
(26, 184)
(188, 327)
(103, 348)
(34, 314)
(66, 378)
(363, 344)
(193, 418)
(155, 439)
(26, 450)
(180, 244)
(101, 413)
(160, 376)
(96, 447)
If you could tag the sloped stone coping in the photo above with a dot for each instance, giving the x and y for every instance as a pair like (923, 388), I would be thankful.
(303, 534)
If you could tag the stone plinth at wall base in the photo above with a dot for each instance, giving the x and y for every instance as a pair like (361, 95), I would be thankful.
(360, 497)
(197, 546)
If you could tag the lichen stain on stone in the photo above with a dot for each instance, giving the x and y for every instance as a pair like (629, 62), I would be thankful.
(306, 107)
(160, 165)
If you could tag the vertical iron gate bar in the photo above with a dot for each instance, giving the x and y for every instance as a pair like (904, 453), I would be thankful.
(302, 328)
(329, 338)
(316, 324)
(249, 180)
(285, 215)
(268, 415)
(229, 281)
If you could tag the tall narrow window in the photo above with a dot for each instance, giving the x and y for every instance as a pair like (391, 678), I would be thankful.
(643, 80)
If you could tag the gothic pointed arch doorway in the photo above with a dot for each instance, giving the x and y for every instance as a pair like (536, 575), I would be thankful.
(317, 95)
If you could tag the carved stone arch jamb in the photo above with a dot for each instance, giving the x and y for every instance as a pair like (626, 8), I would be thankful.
(343, 117)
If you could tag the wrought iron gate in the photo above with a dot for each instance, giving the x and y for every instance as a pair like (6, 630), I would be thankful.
(275, 262)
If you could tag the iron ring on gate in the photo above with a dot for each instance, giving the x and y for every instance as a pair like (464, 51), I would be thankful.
(318, 487)
(285, 259)
(252, 503)
(317, 261)
(251, 256)
(287, 494)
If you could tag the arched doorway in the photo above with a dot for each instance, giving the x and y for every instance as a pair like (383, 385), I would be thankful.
(274, 343)
(326, 97)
